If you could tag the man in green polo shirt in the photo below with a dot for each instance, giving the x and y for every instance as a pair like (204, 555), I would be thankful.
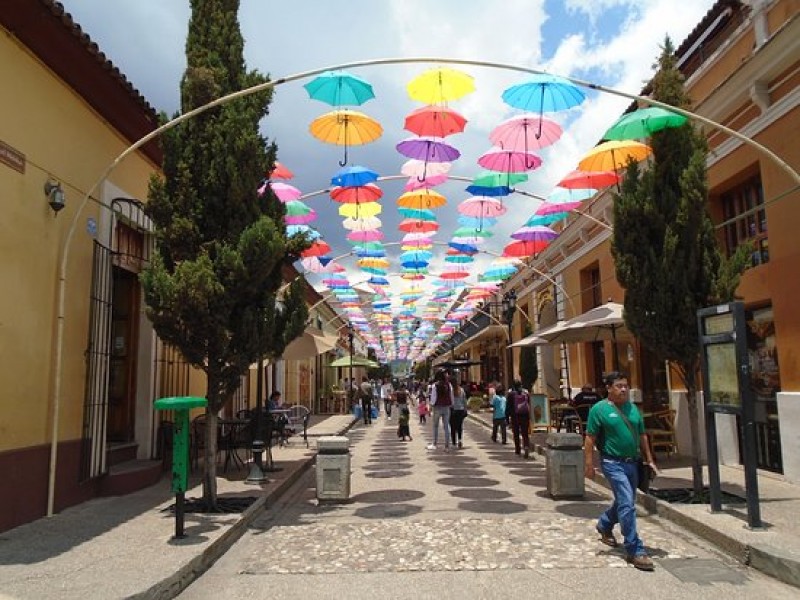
(616, 427)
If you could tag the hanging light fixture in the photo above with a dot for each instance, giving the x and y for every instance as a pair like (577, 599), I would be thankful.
(55, 195)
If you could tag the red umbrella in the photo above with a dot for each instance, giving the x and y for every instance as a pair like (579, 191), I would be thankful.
(577, 180)
(280, 172)
(318, 248)
(524, 249)
(358, 194)
(436, 121)
(418, 226)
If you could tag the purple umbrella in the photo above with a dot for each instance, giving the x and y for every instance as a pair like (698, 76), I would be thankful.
(536, 233)
(428, 150)
(509, 161)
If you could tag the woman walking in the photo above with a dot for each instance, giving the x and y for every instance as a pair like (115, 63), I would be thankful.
(457, 415)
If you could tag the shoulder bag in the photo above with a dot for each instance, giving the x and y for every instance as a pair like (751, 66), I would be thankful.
(645, 471)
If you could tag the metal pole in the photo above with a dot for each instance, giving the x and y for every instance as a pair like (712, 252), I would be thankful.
(350, 388)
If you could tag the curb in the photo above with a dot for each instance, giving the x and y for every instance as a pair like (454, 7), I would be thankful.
(176, 583)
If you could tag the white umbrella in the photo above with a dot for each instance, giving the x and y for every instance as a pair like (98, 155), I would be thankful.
(308, 345)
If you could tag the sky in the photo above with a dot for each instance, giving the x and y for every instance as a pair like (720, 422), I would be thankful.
(609, 42)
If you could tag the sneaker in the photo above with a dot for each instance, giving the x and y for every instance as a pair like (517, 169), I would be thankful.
(447, 448)
(460, 445)
(607, 537)
(641, 562)
(431, 446)
(527, 453)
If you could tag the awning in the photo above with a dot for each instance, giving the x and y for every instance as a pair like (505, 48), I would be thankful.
(600, 323)
(308, 345)
(541, 337)
(358, 361)
(491, 331)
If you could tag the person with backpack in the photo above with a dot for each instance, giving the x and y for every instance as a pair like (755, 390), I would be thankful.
(518, 402)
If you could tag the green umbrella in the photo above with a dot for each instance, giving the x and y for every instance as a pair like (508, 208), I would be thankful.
(358, 361)
(643, 123)
(496, 179)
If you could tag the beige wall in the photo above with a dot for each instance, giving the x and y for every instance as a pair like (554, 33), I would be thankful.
(60, 136)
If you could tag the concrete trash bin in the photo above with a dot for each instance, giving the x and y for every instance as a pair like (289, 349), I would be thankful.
(564, 465)
(333, 468)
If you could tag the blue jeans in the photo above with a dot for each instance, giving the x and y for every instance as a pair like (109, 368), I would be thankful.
(443, 413)
(623, 479)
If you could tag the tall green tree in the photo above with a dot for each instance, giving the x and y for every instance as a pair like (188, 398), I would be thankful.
(213, 288)
(665, 248)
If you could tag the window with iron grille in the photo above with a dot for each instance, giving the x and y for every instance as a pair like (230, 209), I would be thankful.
(745, 219)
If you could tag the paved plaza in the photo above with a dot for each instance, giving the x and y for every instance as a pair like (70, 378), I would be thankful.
(426, 518)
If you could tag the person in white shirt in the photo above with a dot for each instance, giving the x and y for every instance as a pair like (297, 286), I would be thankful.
(442, 402)
(386, 395)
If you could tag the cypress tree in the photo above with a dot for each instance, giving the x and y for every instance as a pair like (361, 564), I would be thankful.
(665, 248)
(213, 288)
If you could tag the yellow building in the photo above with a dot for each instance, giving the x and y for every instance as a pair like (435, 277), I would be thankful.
(742, 64)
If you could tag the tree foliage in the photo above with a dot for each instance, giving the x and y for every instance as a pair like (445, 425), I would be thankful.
(213, 288)
(664, 244)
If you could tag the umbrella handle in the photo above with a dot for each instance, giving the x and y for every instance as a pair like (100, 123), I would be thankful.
(424, 174)
(343, 163)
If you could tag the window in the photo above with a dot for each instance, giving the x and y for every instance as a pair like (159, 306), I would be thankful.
(745, 219)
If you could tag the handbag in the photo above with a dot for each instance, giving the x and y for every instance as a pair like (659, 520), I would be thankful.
(645, 472)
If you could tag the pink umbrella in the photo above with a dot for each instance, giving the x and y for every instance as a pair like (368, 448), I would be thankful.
(509, 161)
(523, 134)
(482, 206)
(284, 191)
(301, 219)
(549, 208)
(428, 182)
(372, 235)
(417, 237)
(415, 168)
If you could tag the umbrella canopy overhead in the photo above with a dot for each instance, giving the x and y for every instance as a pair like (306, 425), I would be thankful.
(345, 128)
(526, 133)
(509, 161)
(542, 93)
(435, 121)
(339, 88)
(613, 155)
(643, 123)
(308, 345)
(440, 85)
(354, 176)
(588, 180)
(358, 361)
(279, 171)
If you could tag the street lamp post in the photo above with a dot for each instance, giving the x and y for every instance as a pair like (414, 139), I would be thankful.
(509, 306)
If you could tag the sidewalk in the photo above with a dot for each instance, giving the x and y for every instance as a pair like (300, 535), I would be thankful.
(122, 547)
(774, 550)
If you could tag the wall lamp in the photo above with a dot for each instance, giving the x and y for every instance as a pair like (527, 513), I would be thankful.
(55, 195)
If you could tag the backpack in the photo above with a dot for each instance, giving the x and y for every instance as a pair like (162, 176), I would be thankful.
(522, 403)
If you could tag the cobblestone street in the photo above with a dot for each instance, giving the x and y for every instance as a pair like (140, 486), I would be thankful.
(476, 509)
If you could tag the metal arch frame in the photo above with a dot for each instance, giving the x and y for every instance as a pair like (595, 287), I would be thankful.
(65, 247)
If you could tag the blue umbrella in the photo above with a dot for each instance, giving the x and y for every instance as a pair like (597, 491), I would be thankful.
(561, 195)
(476, 222)
(339, 88)
(417, 213)
(465, 248)
(416, 255)
(494, 191)
(370, 252)
(354, 176)
(414, 264)
(542, 93)
(376, 280)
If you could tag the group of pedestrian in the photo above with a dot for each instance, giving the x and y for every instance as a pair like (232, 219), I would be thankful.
(514, 409)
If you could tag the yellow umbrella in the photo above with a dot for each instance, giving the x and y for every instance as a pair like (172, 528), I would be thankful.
(613, 155)
(345, 128)
(439, 85)
(421, 199)
(417, 246)
(359, 211)
(375, 263)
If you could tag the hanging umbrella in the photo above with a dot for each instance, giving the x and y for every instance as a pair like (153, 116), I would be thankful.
(317, 248)
(375, 280)
(509, 161)
(547, 219)
(472, 232)
(365, 236)
(468, 221)
(436, 121)
(459, 259)
(587, 179)
(482, 206)
(454, 274)
(423, 255)
(415, 213)
(524, 249)
(552, 208)
(428, 150)
(613, 155)
(345, 128)
(375, 271)
(309, 232)
(418, 168)
(542, 93)
(284, 191)
(363, 210)
(495, 192)
(354, 176)
(356, 194)
(562, 195)
(421, 199)
(418, 226)
(339, 88)
(295, 208)
(362, 224)
(495, 179)
(429, 181)
(440, 85)
(643, 123)
(280, 172)
(525, 133)
(463, 248)
(301, 219)
(421, 244)
(536, 233)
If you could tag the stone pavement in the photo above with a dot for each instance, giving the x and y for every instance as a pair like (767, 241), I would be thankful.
(479, 514)
(480, 509)
(122, 547)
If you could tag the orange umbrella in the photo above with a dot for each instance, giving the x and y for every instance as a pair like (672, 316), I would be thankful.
(345, 128)
(613, 155)
(421, 199)
(280, 172)
(318, 248)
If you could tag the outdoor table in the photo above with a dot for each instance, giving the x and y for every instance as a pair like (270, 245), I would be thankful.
(230, 431)
(280, 424)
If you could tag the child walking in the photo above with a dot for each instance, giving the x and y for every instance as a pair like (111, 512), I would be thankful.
(403, 428)
(422, 410)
